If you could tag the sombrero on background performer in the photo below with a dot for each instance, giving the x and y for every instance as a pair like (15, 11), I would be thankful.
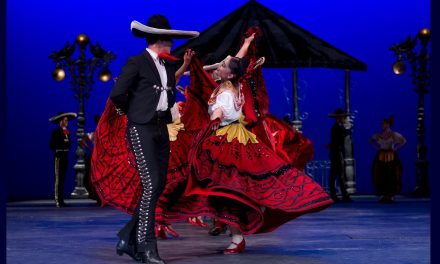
(339, 112)
(143, 95)
(58, 117)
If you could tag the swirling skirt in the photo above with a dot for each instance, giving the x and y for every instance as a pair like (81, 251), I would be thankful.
(117, 181)
(247, 185)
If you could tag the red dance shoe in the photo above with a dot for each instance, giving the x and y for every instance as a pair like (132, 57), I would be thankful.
(196, 222)
(170, 230)
(160, 231)
(238, 249)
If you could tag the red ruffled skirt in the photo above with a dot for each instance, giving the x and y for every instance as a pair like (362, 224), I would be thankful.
(117, 181)
(172, 197)
(290, 145)
(248, 185)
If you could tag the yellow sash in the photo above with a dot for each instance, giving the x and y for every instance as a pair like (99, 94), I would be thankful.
(174, 128)
(238, 131)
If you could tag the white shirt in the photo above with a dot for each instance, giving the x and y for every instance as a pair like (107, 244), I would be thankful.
(163, 99)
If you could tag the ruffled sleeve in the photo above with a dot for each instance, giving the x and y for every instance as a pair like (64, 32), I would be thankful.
(398, 138)
(225, 100)
(175, 112)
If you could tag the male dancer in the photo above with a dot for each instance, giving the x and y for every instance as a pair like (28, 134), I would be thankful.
(145, 91)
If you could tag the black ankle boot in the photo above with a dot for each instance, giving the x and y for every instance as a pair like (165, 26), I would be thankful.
(123, 247)
(151, 256)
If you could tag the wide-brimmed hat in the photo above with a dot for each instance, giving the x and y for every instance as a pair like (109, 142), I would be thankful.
(61, 115)
(206, 68)
(214, 66)
(158, 25)
(339, 112)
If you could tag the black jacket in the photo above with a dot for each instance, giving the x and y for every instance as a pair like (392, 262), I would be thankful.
(59, 140)
(337, 141)
(135, 92)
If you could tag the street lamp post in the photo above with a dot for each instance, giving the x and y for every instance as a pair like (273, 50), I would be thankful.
(419, 73)
(81, 71)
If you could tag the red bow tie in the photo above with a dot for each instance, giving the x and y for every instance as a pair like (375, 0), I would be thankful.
(167, 56)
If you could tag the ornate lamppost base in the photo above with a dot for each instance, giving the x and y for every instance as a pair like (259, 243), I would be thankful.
(80, 193)
(421, 192)
(422, 183)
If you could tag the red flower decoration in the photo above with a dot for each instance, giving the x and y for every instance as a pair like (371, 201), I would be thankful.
(66, 132)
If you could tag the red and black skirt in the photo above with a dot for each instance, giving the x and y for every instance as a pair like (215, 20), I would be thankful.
(244, 183)
(113, 173)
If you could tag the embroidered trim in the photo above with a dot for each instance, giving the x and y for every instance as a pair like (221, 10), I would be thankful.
(119, 111)
(141, 165)
(161, 88)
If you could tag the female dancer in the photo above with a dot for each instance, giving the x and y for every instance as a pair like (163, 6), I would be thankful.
(247, 185)
(387, 168)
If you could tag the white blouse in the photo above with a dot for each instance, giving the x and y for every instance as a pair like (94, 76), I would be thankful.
(226, 100)
(388, 142)
(175, 112)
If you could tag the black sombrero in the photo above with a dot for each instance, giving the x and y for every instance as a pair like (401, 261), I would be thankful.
(159, 25)
(338, 113)
(60, 115)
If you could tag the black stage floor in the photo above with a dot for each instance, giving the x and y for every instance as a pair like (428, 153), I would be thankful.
(364, 231)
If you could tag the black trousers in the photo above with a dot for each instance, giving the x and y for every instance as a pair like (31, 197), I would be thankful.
(61, 161)
(151, 148)
(337, 172)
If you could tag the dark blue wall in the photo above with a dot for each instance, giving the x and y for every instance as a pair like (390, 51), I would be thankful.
(363, 29)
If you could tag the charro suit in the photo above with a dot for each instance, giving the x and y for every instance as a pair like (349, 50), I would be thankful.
(337, 156)
(136, 93)
(60, 144)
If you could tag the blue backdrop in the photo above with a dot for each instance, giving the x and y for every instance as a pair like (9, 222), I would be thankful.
(363, 29)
